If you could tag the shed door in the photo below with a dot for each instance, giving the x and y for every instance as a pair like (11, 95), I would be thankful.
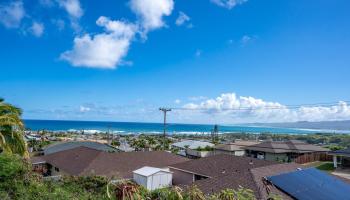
(157, 181)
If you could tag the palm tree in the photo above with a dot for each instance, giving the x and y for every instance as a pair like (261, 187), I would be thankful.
(11, 129)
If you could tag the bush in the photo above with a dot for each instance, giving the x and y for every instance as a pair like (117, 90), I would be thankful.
(18, 182)
(11, 167)
(326, 166)
(93, 184)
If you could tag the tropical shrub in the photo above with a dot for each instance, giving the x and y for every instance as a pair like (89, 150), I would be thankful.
(11, 130)
(18, 182)
(239, 194)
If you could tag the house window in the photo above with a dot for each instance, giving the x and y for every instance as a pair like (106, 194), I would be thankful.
(56, 169)
(198, 177)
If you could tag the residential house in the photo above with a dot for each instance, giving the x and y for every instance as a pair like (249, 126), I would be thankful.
(81, 161)
(62, 146)
(341, 158)
(215, 173)
(236, 148)
(287, 151)
(193, 148)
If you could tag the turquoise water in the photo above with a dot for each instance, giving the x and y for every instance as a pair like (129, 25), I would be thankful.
(134, 127)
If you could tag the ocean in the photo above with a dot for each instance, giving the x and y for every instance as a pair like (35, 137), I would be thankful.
(151, 128)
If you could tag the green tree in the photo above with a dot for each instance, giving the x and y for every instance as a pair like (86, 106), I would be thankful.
(11, 129)
(231, 194)
(115, 143)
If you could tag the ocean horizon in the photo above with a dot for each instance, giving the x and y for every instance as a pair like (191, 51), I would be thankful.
(156, 128)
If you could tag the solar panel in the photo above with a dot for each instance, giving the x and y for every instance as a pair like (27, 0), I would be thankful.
(311, 184)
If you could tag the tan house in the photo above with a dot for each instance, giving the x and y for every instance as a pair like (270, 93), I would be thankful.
(236, 148)
(287, 151)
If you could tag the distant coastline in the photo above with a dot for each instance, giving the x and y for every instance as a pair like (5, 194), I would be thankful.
(157, 128)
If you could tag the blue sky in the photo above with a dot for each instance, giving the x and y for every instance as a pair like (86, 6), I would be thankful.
(121, 60)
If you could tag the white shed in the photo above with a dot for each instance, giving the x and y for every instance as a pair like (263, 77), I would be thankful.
(153, 178)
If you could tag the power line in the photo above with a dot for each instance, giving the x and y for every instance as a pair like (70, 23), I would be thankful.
(279, 107)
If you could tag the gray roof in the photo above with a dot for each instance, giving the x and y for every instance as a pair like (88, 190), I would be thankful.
(294, 146)
(57, 147)
(341, 152)
(192, 144)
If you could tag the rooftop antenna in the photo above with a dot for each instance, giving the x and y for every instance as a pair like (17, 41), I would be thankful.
(164, 110)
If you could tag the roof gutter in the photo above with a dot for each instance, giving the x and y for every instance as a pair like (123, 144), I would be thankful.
(189, 172)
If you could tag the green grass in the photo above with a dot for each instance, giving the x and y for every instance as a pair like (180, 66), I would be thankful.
(328, 166)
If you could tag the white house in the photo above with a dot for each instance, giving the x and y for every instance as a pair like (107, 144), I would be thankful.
(189, 148)
(191, 144)
(153, 178)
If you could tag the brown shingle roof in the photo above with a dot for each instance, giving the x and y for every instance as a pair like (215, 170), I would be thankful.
(214, 165)
(73, 161)
(86, 161)
(224, 171)
(232, 181)
(294, 146)
(122, 164)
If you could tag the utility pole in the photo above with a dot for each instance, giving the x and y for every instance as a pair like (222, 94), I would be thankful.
(214, 133)
(164, 110)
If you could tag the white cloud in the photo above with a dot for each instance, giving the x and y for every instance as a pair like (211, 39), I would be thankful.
(182, 19)
(320, 113)
(11, 14)
(84, 109)
(177, 101)
(230, 108)
(37, 29)
(247, 39)
(75, 12)
(104, 50)
(198, 53)
(59, 23)
(107, 49)
(197, 98)
(151, 12)
(72, 7)
(47, 3)
(229, 4)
